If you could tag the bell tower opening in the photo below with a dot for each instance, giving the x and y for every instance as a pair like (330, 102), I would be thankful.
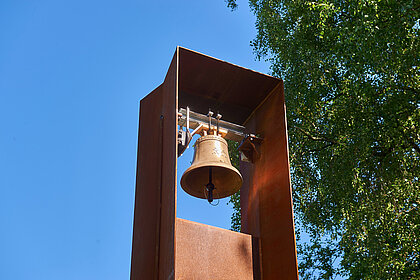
(205, 169)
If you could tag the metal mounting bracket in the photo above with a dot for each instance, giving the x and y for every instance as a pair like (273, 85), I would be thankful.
(200, 122)
(249, 148)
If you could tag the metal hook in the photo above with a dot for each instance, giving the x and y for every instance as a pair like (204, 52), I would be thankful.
(218, 117)
(210, 114)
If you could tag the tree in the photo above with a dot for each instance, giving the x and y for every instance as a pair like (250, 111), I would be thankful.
(352, 83)
(235, 198)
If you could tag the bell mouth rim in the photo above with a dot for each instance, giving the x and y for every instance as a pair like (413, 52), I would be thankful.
(210, 164)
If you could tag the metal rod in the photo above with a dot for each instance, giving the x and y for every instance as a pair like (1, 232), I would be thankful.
(218, 117)
(188, 118)
(196, 129)
(210, 114)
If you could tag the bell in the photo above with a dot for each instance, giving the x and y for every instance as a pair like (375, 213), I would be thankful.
(211, 174)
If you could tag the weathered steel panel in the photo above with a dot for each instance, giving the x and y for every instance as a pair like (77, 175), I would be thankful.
(169, 167)
(147, 199)
(206, 82)
(207, 253)
(153, 246)
(266, 198)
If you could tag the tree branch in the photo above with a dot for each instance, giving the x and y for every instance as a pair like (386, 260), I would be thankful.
(315, 138)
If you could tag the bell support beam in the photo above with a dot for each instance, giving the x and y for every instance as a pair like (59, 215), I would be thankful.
(233, 131)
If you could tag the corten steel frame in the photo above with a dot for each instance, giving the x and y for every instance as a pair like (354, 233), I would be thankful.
(165, 247)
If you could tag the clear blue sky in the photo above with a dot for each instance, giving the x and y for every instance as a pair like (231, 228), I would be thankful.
(71, 77)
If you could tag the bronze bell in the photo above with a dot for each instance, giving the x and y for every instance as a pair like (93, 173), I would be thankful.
(211, 174)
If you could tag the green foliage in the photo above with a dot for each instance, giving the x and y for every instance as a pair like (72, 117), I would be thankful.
(235, 199)
(231, 4)
(352, 83)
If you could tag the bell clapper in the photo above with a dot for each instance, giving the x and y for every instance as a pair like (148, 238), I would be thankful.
(208, 192)
(210, 186)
